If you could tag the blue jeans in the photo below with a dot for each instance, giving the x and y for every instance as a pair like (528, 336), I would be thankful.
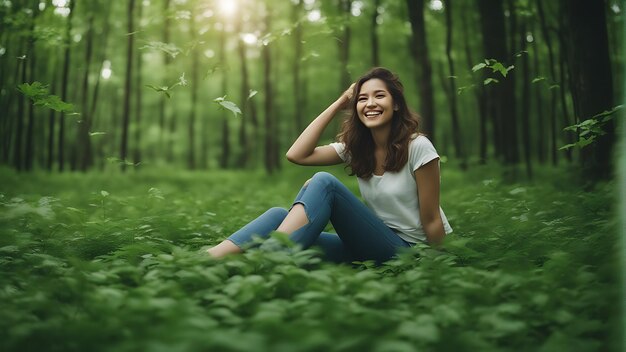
(361, 235)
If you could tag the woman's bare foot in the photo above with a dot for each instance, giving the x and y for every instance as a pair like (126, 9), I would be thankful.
(226, 247)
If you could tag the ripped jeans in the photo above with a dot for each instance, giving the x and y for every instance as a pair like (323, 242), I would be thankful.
(360, 236)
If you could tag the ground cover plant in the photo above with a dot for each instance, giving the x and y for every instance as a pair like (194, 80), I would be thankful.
(102, 262)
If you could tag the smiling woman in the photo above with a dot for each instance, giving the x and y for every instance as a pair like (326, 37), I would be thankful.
(397, 170)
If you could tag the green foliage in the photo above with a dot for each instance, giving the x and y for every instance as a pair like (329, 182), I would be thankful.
(38, 93)
(229, 105)
(590, 129)
(182, 81)
(495, 66)
(168, 48)
(115, 262)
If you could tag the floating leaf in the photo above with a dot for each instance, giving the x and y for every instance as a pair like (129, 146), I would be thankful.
(104, 193)
(38, 93)
(164, 90)
(479, 66)
(490, 80)
(229, 105)
(538, 79)
(168, 48)
(97, 133)
(252, 93)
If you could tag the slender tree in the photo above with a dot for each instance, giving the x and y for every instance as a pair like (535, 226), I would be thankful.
(374, 35)
(225, 156)
(195, 80)
(297, 62)
(165, 34)
(419, 49)
(525, 99)
(590, 70)
(343, 45)
(501, 96)
(244, 141)
(454, 114)
(138, 94)
(479, 93)
(271, 131)
(553, 94)
(83, 146)
(127, 83)
(64, 85)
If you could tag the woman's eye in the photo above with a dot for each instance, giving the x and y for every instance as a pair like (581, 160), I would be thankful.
(362, 99)
(380, 96)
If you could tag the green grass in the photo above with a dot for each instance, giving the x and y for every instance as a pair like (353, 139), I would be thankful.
(110, 262)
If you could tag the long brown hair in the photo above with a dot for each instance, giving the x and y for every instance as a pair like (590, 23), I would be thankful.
(358, 138)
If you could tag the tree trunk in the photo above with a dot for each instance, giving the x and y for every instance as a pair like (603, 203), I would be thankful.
(104, 39)
(297, 82)
(419, 49)
(195, 79)
(244, 141)
(525, 108)
(454, 114)
(225, 156)
(538, 134)
(479, 93)
(83, 145)
(501, 96)
(166, 62)
(127, 84)
(18, 160)
(51, 118)
(590, 71)
(30, 129)
(343, 44)
(374, 35)
(138, 94)
(553, 95)
(64, 84)
(563, 67)
(271, 136)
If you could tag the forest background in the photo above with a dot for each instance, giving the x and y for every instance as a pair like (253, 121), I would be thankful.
(133, 134)
(229, 84)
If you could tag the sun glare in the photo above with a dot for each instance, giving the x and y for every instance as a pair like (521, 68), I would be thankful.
(228, 7)
(106, 69)
(249, 38)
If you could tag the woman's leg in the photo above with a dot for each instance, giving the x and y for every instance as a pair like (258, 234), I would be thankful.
(363, 234)
(261, 227)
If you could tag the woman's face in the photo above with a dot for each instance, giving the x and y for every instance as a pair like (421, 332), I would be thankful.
(374, 104)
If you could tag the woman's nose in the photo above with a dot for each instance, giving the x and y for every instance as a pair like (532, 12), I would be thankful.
(370, 102)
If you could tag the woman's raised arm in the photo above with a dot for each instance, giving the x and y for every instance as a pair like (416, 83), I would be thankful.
(305, 151)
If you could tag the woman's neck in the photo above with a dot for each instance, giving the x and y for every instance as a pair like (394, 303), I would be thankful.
(381, 137)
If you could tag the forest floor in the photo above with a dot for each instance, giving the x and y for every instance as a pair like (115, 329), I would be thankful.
(105, 261)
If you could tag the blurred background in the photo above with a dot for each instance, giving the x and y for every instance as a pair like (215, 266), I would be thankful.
(220, 84)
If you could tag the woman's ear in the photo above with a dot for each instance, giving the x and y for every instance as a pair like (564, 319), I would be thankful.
(396, 108)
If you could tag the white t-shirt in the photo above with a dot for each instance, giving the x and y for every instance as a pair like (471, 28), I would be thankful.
(393, 195)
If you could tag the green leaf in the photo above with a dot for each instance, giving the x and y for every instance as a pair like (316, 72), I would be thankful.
(168, 48)
(34, 90)
(104, 193)
(55, 103)
(490, 80)
(164, 90)
(96, 133)
(479, 66)
(252, 93)
(38, 93)
(228, 105)
(538, 79)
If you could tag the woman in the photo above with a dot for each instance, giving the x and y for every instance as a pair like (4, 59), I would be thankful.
(397, 171)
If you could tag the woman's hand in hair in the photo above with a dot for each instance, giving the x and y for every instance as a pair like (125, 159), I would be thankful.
(347, 95)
